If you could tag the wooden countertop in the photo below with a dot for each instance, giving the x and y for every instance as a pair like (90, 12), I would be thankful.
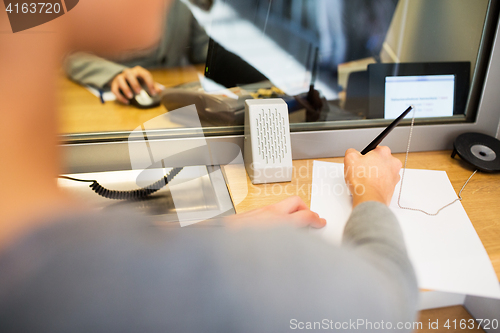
(82, 112)
(480, 197)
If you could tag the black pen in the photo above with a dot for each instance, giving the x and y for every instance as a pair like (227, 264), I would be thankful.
(384, 133)
(101, 95)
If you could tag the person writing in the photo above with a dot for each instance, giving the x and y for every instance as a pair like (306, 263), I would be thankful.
(66, 268)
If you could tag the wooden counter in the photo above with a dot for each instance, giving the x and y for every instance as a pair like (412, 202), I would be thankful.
(480, 200)
(481, 197)
(82, 112)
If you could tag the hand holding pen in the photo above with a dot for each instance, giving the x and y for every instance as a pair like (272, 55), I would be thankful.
(385, 132)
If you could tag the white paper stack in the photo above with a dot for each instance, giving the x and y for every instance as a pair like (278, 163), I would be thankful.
(445, 249)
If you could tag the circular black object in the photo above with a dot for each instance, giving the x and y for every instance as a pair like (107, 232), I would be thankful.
(480, 150)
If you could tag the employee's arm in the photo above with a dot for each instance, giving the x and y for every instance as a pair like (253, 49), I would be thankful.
(373, 233)
(369, 278)
(124, 82)
(89, 69)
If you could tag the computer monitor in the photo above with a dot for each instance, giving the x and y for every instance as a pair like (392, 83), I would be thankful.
(436, 89)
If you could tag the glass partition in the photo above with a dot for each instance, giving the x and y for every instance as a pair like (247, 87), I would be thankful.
(337, 63)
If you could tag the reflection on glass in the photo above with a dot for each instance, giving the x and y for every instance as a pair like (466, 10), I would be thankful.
(180, 54)
(335, 47)
(330, 60)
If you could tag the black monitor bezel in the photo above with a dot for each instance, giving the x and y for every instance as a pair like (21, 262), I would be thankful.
(378, 72)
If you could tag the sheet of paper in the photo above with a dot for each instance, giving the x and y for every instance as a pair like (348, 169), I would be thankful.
(213, 88)
(445, 249)
(106, 96)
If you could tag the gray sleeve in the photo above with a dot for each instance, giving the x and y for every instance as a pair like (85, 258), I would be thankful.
(89, 69)
(290, 279)
(374, 235)
(116, 272)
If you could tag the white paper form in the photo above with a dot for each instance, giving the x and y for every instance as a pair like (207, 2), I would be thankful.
(445, 249)
(107, 96)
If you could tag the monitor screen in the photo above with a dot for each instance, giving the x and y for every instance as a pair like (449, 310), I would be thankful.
(436, 89)
(431, 95)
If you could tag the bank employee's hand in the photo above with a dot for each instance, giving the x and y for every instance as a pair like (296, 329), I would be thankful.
(371, 177)
(292, 210)
(129, 82)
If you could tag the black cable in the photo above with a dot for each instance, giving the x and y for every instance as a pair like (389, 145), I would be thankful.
(138, 194)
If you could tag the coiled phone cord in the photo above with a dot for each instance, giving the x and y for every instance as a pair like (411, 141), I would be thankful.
(138, 194)
(403, 177)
